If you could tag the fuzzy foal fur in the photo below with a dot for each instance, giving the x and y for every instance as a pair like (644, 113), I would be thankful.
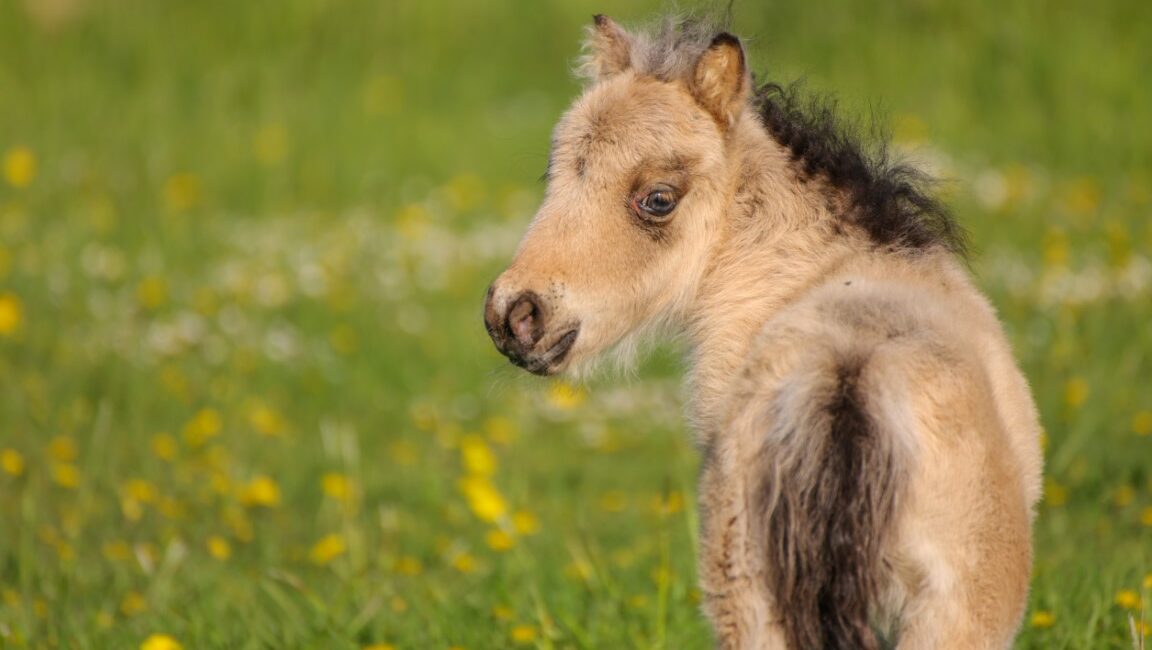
(871, 450)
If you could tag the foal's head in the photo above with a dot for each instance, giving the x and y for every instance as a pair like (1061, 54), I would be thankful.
(638, 180)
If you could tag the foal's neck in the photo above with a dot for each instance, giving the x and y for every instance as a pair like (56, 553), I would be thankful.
(781, 239)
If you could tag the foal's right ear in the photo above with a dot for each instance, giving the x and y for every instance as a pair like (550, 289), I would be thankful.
(608, 50)
(720, 81)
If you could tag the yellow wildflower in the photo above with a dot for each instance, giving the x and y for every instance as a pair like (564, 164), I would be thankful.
(381, 95)
(139, 489)
(66, 475)
(116, 551)
(909, 128)
(1019, 182)
(448, 435)
(1081, 196)
(19, 167)
(404, 452)
(1075, 391)
(409, 566)
(464, 563)
(265, 420)
(465, 192)
(174, 381)
(133, 603)
(181, 192)
(152, 292)
(1146, 516)
(261, 491)
(203, 426)
(499, 540)
(215, 458)
(613, 501)
(1055, 495)
(502, 612)
(412, 221)
(270, 145)
(565, 396)
(218, 547)
(239, 524)
(500, 430)
(105, 620)
(337, 486)
(147, 554)
(579, 570)
(1141, 628)
(1148, 581)
(1043, 619)
(1142, 423)
(1119, 244)
(523, 634)
(63, 449)
(668, 505)
(48, 534)
(398, 604)
(220, 483)
(327, 549)
(525, 523)
(343, 339)
(378, 646)
(164, 446)
(12, 462)
(132, 509)
(477, 457)
(171, 508)
(11, 313)
(1056, 247)
(484, 499)
(1128, 599)
(1123, 496)
(160, 642)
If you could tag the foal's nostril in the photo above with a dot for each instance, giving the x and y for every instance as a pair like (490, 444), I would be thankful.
(525, 321)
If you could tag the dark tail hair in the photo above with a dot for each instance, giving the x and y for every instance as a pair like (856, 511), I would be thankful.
(827, 501)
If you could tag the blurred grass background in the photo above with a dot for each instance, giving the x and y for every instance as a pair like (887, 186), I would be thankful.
(247, 399)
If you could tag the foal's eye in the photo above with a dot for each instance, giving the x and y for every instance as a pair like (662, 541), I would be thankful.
(660, 202)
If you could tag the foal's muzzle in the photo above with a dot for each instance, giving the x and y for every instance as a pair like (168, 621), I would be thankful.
(520, 328)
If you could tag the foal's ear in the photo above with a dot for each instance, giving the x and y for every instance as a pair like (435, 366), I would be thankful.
(720, 81)
(608, 49)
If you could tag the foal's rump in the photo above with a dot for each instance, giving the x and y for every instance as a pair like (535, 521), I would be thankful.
(857, 387)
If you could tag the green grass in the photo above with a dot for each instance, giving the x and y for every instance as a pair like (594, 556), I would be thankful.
(255, 243)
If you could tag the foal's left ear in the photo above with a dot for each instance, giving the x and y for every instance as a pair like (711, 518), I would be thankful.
(720, 81)
(607, 50)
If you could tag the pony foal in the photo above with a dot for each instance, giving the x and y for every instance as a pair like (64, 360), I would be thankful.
(871, 451)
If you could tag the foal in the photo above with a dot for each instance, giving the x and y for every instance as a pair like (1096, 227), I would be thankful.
(871, 451)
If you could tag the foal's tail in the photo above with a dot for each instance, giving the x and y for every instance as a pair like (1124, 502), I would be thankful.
(835, 465)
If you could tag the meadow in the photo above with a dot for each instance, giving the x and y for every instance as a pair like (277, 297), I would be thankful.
(247, 399)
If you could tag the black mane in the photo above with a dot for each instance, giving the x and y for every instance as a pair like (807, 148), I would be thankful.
(888, 200)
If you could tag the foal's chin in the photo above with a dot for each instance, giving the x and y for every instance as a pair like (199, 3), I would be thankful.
(552, 360)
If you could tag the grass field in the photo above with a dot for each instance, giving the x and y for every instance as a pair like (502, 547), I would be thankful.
(247, 400)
